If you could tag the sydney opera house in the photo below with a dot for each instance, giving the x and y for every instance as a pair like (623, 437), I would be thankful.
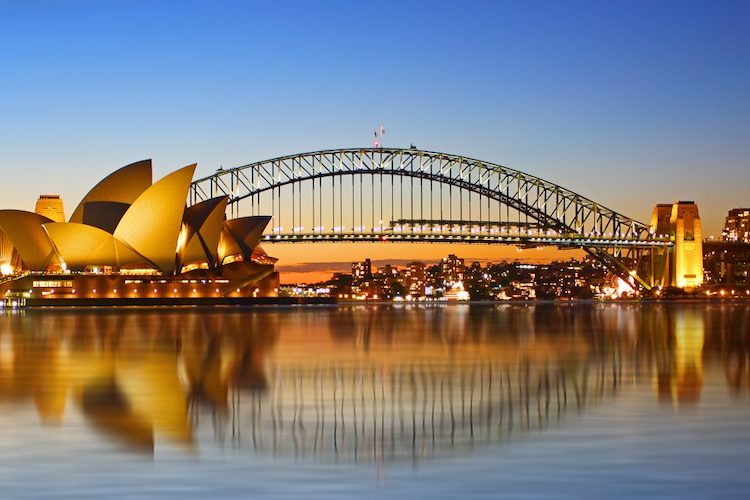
(135, 239)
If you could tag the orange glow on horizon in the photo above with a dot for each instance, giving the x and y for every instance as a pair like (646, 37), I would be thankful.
(310, 263)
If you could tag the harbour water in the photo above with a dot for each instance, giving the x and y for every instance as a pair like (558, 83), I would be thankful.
(450, 401)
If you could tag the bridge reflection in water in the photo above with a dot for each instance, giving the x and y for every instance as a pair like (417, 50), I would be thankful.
(410, 411)
(375, 383)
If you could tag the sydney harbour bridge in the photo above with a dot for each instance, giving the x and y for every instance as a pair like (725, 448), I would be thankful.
(410, 195)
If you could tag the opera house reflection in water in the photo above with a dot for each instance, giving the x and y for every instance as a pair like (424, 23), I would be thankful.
(358, 384)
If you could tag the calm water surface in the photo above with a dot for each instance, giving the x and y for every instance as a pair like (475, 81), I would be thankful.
(597, 401)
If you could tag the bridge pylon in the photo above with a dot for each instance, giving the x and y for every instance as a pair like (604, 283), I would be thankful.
(681, 264)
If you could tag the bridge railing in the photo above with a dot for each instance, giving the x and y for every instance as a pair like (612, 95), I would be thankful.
(325, 195)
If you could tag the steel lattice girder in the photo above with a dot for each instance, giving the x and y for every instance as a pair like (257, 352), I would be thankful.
(551, 205)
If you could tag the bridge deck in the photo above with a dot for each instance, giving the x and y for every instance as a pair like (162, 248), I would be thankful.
(563, 240)
(410, 195)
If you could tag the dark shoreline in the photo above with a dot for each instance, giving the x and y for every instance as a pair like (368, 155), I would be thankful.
(181, 301)
(743, 300)
(330, 301)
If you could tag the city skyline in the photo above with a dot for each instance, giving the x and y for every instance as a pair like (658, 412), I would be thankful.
(562, 92)
(395, 249)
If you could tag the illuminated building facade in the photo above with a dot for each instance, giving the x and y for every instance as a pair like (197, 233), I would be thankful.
(416, 278)
(737, 225)
(726, 263)
(362, 271)
(362, 277)
(50, 206)
(452, 269)
(131, 238)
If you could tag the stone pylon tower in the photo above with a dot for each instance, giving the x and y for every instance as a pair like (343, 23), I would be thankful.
(50, 206)
(661, 260)
(688, 245)
(681, 266)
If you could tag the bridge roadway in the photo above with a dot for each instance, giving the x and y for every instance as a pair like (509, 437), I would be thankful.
(437, 234)
(410, 195)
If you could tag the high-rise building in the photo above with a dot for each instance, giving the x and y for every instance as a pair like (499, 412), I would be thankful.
(50, 206)
(737, 225)
(416, 278)
(362, 271)
(452, 269)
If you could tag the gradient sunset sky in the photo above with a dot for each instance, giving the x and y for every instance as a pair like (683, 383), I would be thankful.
(629, 103)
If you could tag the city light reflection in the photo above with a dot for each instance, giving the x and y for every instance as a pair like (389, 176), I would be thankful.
(374, 383)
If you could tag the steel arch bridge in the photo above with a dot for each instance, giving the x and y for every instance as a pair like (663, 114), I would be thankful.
(387, 194)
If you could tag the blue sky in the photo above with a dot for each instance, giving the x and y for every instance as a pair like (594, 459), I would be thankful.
(630, 103)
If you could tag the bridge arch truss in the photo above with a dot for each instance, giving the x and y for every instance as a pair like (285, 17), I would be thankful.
(379, 194)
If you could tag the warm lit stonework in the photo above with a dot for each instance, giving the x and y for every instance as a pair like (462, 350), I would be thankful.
(130, 238)
(682, 265)
(50, 206)
(688, 239)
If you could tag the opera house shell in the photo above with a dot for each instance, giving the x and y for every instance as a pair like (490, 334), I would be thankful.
(132, 237)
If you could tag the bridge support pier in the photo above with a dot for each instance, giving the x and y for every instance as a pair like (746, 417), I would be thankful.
(680, 265)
